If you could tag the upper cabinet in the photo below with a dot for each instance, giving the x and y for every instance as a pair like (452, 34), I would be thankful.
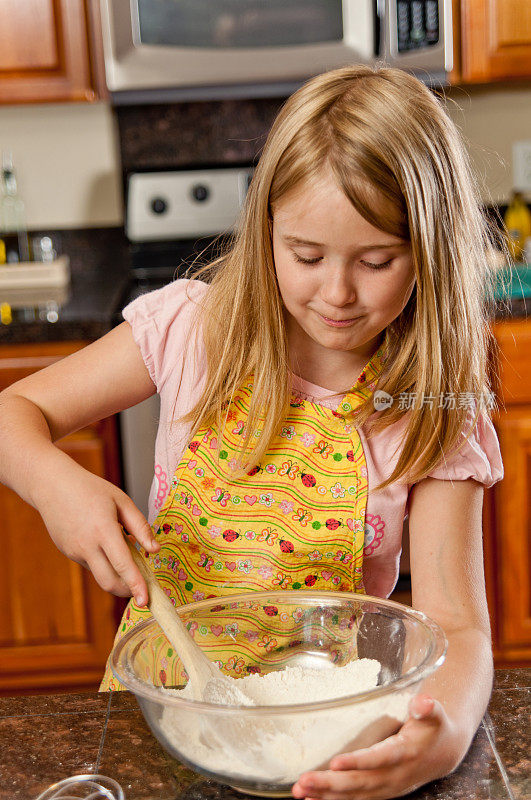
(495, 40)
(51, 51)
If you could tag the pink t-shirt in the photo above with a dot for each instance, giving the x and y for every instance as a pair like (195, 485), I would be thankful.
(162, 325)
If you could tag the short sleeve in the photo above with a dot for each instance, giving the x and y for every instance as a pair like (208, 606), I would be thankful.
(160, 322)
(479, 458)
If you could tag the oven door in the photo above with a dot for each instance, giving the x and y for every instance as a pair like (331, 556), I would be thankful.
(202, 48)
(138, 429)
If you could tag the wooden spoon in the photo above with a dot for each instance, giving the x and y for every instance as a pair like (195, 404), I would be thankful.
(208, 682)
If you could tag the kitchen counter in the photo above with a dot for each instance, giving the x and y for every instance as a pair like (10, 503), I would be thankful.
(48, 738)
(99, 267)
(99, 262)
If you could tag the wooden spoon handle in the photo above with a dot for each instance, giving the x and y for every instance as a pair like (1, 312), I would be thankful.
(199, 668)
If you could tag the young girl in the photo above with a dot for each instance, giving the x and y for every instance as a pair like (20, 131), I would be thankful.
(330, 379)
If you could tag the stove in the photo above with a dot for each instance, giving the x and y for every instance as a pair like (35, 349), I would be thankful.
(175, 217)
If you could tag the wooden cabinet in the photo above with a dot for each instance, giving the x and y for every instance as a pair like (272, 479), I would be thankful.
(493, 40)
(57, 626)
(507, 517)
(50, 51)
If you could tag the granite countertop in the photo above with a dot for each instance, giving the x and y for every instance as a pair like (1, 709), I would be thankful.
(100, 261)
(48, 738)
(99, 268)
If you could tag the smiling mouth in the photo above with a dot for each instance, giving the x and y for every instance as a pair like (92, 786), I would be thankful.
(339, 323)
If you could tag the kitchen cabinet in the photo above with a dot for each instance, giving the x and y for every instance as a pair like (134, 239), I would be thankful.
(507, 509)
(57, 626)
(492, 40)
(51, 51)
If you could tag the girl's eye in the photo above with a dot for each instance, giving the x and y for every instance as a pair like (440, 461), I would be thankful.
(377, 266)
(302, 260)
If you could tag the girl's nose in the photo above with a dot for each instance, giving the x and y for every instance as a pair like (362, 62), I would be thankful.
(338, 287)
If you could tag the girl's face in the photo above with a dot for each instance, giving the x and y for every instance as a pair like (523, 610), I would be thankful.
(342, 280)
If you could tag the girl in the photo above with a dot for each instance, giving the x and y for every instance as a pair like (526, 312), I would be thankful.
(330, 379)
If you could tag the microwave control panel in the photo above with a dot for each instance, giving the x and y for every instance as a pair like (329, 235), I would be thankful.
(417, 24)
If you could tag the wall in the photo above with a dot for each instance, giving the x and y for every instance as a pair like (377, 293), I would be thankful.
(68, 162)
(490, 119)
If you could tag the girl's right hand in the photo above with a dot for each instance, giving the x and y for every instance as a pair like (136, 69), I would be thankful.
(84, 515)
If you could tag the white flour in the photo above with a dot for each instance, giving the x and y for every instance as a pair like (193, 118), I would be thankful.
(278, 748)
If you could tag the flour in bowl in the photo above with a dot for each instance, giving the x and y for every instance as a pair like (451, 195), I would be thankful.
(278, 747)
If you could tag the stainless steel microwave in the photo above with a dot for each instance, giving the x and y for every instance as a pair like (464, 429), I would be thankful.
(166, 50)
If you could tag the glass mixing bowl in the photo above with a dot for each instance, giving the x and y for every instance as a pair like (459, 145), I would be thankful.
(263, 749)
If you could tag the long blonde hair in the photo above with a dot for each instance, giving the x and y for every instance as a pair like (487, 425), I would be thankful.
(384, 134)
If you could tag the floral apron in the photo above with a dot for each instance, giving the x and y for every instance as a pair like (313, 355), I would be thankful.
(296, 521)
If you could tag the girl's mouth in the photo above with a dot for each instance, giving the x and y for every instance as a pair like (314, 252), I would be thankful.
(339, 323)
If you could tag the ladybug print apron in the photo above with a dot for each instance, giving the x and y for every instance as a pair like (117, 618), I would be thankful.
(295, 521)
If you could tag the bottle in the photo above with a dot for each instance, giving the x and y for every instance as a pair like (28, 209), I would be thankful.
(13, 232)
(517, 220)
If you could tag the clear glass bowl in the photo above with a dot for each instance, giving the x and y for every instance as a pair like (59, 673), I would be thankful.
(263, 749)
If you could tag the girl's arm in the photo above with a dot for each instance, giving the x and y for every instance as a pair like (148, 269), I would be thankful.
(446, 538)
(445, 527)
(81, 511)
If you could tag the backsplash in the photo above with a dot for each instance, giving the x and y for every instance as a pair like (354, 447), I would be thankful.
(194, 134)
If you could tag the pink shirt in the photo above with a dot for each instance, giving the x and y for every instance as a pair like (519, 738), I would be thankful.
(161, 323)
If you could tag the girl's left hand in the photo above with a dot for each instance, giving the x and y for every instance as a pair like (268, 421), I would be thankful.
(426, 747)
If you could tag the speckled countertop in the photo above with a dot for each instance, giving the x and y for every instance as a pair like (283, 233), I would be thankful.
(99, 267)
(48, 738)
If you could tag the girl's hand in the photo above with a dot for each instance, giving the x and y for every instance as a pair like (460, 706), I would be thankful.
(425, 748)
(84, 515)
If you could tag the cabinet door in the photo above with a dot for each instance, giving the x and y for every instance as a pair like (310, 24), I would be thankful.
(508, 519)
(495, 40)
(50, 51)
(57, 626)
(511, 543)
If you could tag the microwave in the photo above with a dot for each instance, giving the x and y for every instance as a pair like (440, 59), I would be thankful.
(173, 50)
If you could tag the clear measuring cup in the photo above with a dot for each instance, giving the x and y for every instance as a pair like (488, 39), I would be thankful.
(84, 787)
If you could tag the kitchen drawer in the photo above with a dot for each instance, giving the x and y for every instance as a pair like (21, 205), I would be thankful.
(17, 361)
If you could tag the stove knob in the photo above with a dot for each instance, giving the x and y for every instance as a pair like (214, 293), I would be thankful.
(158, 205)
(200, 192)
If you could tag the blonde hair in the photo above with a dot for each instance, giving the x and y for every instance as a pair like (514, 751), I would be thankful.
(384, 134)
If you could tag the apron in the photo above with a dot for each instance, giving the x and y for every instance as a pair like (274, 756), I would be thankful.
(296, 521)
